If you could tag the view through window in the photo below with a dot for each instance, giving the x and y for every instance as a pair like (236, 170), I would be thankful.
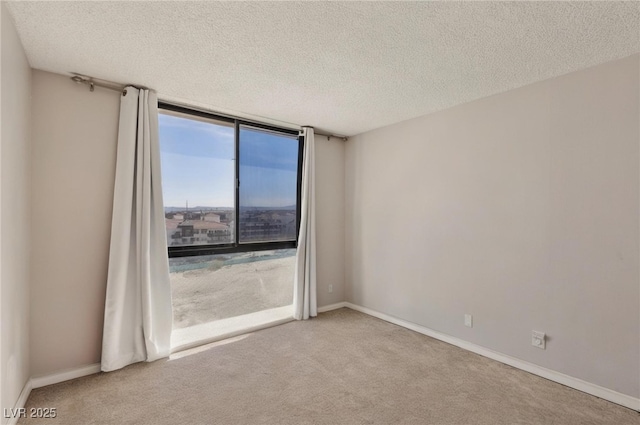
(198, 180)
(206, 194)
(268, 186)
(231, 196)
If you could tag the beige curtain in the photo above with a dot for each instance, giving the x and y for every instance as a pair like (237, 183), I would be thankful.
(138, 314)
(304, 289)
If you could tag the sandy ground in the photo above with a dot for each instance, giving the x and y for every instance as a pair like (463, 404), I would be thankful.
(218, 291)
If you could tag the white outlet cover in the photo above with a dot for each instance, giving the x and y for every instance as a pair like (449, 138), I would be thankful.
(538, 339)
(468, 320)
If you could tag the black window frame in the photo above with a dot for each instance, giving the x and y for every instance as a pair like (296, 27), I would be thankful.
(236, 246)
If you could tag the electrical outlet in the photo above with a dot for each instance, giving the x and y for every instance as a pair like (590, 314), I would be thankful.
(538, 339)
(468, 320)
(330, 288)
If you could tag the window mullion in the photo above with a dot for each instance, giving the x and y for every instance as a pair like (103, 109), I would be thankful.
(237, 180)
(301, 142)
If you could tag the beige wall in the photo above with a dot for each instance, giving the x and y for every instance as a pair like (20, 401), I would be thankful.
(521, 209)
(74, 136)
(330, 219)
(15, 148)
(74, 148)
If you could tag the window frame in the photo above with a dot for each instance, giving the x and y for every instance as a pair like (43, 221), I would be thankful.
(236, 246)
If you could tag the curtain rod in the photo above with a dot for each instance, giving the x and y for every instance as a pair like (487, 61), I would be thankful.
(92, 83)
(109, 85)
(327, 135)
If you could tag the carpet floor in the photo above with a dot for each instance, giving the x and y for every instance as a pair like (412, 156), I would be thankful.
(343, 367)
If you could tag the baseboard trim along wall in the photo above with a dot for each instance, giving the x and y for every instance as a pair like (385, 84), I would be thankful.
(69, 374)
(569, 381)
(330, 307)
(578, 384)
(65, 375)
(22, 400)
(54, 378)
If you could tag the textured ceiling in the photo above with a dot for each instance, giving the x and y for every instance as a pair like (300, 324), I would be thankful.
(340, 66)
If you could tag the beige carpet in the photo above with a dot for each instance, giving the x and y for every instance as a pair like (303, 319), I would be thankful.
(343, 367)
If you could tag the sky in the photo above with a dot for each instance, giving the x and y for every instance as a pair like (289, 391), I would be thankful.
(198, 162)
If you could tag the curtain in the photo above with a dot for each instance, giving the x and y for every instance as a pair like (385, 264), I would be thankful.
(138, 315)
(304, 288)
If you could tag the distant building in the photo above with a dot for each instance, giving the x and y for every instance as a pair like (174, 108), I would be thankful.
(212, 217)
(272, 225)
(217, 226)
(197, 232)
(172, 215)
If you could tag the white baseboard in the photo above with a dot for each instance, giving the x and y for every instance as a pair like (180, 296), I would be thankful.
(578, 384)
(22, 400)
(330, 307)
(43, 381)
(65, 375)
(569, 381)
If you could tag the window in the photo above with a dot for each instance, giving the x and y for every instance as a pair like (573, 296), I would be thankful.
(268, 186)
(228, 185)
